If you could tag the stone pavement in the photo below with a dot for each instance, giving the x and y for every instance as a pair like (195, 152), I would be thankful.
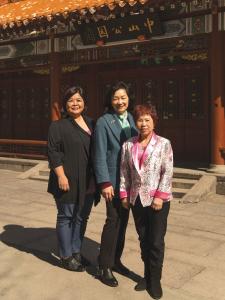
(29, 267)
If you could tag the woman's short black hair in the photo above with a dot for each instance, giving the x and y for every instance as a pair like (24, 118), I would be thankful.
(115, 87)
(70, 92)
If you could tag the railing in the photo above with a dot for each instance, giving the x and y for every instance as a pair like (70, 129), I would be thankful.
(32, 149)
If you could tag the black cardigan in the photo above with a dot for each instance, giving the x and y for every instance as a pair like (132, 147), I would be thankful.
(70, 146)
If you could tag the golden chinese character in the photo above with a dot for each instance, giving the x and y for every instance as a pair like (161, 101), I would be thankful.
(117, 30)
(102, 31)
(149, 24)
(134, 28)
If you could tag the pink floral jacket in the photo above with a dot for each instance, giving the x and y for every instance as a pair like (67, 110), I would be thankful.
(153, 178)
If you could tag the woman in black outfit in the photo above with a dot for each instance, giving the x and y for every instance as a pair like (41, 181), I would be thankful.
(69, 142)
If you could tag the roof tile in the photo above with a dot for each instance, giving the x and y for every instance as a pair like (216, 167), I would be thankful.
(28, 9)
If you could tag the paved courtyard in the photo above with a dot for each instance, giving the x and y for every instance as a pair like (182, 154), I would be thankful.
(194, 262)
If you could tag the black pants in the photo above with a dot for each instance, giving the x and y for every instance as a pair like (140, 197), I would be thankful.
(151, 227)
(113, 234)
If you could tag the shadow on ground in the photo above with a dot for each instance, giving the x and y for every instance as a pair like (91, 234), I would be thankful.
(42, 243)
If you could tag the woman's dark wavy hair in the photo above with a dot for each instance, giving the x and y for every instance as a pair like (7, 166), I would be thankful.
(146, 108)
(109, 96)
(69, 93)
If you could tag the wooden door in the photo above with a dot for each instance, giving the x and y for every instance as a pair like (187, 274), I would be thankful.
(5, 108)
(24, 106)
(31, 107)
(164, 90)
(196, 107)
(181, 96)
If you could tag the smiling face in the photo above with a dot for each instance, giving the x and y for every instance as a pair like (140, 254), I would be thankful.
(145, 125)
(120, 101)
(75, 105)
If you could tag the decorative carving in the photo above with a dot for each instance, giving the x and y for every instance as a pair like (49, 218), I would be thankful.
(4, 104)
(151, 90)
(196, 57)
(171, 100)
(194, 98)
(168, 47)
(19, 111)
(46, 103)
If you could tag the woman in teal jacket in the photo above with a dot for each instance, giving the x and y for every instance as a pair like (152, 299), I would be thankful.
(112, 130)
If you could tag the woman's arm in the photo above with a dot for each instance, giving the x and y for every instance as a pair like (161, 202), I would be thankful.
(55, 156)
(100, 160)
(100, 152)
(165, 185)
(54, 146)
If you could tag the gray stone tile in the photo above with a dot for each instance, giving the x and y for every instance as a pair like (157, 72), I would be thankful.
(177, 273)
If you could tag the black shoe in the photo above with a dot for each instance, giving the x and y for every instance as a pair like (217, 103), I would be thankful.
(82, 260)
(121, 269)
(155, 290)
(141, 285)
(71, 264)
(106, 276)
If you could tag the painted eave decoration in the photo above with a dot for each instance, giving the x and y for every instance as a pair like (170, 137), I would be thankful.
(24, 12)
(28, 15)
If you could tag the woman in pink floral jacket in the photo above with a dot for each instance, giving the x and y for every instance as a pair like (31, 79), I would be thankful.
(145, 185)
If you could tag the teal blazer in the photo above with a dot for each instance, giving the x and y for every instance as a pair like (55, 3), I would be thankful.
(108, 140)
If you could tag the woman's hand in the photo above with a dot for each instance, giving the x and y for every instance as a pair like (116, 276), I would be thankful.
(157, 204)
(125, 203)
(63, 183)
(62, 179)
(108, 193)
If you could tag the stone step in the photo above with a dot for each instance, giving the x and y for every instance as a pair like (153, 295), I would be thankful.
(183, 183)
(39, 177)
(44, 172)
(179, 174)
(177, 182)
(178, 192)
(187, 174)
(175, 202)
(180, 183)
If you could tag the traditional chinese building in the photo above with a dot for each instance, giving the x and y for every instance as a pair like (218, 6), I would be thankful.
(169, 52)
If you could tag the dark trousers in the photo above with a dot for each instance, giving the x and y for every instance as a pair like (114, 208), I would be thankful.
(113, 234)
(71, 225)
(151, 227)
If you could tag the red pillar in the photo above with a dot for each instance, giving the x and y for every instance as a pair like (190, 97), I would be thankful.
(217, 93)
(55, 74)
